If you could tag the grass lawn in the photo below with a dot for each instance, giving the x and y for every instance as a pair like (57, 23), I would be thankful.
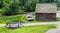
(6, 19)
(58, 18)
(28, 29)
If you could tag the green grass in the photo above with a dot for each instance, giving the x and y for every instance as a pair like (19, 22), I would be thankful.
(58, 18)
(1, 11)
(28, 29)
(5, 19)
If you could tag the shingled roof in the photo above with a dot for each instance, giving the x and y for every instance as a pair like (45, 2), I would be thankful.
(46, 8)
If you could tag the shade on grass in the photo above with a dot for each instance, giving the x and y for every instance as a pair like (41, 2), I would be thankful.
(6, 19)
(28, 29)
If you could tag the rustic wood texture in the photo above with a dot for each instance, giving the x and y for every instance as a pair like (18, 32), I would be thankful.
(46, 8)
(45, 16)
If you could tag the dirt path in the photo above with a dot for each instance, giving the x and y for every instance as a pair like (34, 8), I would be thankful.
(55, 30)
(2, 25)
(42, 23)
(37, 23)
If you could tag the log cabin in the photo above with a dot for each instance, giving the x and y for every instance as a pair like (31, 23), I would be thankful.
(46, 11)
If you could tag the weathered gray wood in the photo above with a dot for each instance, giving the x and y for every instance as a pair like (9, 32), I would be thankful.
(46, 8)
(44, 18)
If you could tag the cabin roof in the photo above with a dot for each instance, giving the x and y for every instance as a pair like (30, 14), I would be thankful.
(46, 8)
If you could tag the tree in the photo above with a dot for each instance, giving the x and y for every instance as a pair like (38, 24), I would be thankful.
(1, 3)
(30, 5)
(58, 1)
(14, 6)
(50, 1)
(11, 8)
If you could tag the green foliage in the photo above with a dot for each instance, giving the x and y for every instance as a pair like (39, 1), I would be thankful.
(47, 1)
(58, 1)
(30, 5)
(28, 29)
(58, 5)
(50, 1)
(11, 7)
(1, 3)
(14, 6)
(1, 11)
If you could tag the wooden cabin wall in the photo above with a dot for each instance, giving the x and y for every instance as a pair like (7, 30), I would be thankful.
(45, 16)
